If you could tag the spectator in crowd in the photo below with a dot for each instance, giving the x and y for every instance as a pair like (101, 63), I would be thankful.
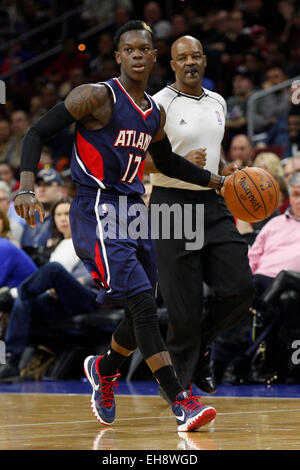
(274, 76)
(292, 165)
(153, 17)
(241, 151)
(276, 248)
(278, 135)
(16, 225)
(46, 160)
(7, 175)
(69, 59)
(5, 139)
(48, 296)
(15, 264)
(48, 190)
(47, 99)
(243, 87)
(96, 13)
(216, 41)
(19, 127)
(254, 12)
(35, 105)
(283, 201)
(122, 14)
(277, 245)
(179, 27)
(237, 41)
(293, 123)
(18, 53)
(260, 40)
(105, 52)
(270, 162)
(278, 102)
(68, 187)
(236, 122)
(291, 36)
(254, 64)
(77, 77)
(61, 144)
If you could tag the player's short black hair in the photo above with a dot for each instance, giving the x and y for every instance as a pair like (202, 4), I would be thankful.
(130, 26)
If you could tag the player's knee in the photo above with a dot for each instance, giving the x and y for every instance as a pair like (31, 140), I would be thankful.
(143, 309)
(54, 267)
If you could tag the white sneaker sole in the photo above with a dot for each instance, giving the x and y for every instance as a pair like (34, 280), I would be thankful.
(204, 417)
(90, 379)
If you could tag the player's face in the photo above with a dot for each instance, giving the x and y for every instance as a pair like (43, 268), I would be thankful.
(188, 62)
(136, 54)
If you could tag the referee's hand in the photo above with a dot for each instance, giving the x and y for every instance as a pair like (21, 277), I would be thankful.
(230, 169)
(26, 205)
(198, 157)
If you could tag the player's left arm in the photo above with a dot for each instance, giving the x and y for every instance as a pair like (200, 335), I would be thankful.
(175, 166)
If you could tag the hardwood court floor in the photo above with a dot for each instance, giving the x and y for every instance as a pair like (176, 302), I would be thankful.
(66, 422)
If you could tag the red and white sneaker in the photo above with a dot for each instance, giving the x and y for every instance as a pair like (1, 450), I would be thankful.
(190, 413)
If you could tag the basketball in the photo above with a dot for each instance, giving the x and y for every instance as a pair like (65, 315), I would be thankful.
(251, 194)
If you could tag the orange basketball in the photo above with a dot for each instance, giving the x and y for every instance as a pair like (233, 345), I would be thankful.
(251, 194)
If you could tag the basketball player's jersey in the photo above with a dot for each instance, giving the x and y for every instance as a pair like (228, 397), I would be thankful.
(192, 122)
(113, 157)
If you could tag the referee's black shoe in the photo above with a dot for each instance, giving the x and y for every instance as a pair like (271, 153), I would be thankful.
(204, 377)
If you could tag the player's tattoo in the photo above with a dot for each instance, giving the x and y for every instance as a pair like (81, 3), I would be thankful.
(27, 181)
(84, 100)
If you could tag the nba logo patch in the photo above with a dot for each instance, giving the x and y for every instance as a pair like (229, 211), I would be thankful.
(219, 118)
(104, 208)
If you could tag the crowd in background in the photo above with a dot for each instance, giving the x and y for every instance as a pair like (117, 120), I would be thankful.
(250, 45)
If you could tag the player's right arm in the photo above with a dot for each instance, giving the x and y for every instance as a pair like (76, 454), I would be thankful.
(82, 103)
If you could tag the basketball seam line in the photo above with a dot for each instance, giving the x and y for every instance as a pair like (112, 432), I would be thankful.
(257, 191)
(241, 201)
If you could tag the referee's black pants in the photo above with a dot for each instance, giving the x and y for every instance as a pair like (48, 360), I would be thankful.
(222, 263)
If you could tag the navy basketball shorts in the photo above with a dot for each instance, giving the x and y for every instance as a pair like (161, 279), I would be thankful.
(112, 238)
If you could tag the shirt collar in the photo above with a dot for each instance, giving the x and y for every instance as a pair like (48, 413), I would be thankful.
(288, 213)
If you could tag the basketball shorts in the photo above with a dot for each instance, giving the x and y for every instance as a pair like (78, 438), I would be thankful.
(111, 235)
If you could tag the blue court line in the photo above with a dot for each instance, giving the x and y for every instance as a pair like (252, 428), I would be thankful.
(82, 387)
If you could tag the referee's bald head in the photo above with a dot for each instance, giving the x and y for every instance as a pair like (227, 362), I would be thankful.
(184, 42)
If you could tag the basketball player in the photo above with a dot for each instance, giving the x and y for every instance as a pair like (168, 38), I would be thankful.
(195, 119)
(115, 122)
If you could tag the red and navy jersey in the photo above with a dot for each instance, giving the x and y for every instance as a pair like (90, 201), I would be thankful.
(113, 157)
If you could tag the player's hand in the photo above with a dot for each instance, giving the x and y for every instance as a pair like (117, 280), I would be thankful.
(222, 190)
(52, 293)
(198, 157)
(230, 169)
(26, 205)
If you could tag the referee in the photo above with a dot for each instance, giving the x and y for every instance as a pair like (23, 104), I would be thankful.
(195, 119)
